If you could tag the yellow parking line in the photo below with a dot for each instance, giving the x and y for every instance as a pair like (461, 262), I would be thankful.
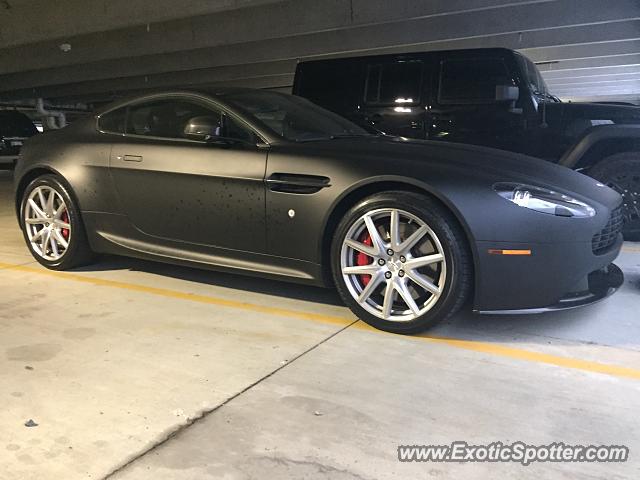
(164, 292)
(528, 355)
(631, 249)
(472, 345)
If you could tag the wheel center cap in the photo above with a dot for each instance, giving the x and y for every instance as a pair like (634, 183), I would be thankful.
(393, 266)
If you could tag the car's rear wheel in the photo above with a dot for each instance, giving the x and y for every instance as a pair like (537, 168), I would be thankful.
(622, 173)
(52, 226)
(401, 262)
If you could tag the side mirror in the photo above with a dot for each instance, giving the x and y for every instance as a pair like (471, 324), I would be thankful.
(507, 93)
(206, 128)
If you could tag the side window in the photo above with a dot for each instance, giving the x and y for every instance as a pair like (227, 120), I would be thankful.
(235, 131)
(113, 121)
(372, 94)
(394, 83)
(472, 80)
(172, 119)
(180, 119)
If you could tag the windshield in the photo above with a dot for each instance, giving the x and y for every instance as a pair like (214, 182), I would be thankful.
(293, 118)
(535, 80)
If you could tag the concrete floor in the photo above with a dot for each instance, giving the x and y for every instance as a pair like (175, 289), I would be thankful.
(134, 370)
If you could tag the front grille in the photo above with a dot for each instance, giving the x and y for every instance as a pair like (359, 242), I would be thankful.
(605, 238)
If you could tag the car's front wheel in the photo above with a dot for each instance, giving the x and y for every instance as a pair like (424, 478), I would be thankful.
(52, 226)
(400, 261)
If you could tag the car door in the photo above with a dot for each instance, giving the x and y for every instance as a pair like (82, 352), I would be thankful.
(466, 108)
(175, 185)
(394, 96)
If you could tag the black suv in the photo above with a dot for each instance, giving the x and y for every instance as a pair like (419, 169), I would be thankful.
(492, 97)
(15, 128)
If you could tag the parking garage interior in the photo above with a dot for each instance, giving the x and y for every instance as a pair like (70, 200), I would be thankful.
(130, 369)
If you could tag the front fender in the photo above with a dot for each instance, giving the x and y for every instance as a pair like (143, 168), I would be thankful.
(595, 135)
(366, 182)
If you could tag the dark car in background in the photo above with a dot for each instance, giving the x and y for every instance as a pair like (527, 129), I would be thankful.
(15, 129)
(272, 185)
(491, 97)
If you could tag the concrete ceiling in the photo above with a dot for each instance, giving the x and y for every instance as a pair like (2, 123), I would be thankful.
(587, 49)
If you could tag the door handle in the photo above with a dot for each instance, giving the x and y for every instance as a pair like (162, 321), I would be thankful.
(297, 183)
(130, 158)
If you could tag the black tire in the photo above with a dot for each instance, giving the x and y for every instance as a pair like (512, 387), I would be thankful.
(622, 173)
(459, 265)
(78, 252)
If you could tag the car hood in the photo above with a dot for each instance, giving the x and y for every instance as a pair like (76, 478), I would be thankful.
(423, 159)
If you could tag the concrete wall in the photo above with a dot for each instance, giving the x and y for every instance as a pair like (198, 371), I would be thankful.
(589, 48)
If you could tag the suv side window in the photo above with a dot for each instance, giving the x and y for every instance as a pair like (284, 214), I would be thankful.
(472, 80)
(336, 84)
(114, 121)
(394, 83)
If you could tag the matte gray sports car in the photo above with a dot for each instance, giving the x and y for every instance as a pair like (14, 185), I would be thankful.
(269, 184)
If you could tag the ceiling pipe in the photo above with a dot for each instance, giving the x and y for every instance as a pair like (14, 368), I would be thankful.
(53, 119)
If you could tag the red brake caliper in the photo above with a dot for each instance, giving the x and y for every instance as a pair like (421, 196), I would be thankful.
(364, 259)
(65, 231)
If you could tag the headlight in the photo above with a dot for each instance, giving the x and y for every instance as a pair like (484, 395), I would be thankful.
(543, 200)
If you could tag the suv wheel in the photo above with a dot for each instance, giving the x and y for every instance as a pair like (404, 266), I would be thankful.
(622, 173)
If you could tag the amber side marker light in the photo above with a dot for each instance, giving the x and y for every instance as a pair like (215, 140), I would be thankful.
(509, 252)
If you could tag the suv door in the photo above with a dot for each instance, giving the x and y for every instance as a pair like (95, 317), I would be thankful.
(174, 187)
(465, 108)
(394, 97)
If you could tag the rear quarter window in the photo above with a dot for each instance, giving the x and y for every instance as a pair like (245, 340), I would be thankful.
(394, 83)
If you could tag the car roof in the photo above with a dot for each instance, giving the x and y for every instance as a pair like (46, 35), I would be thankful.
(216, 94)
(460, 51)
(213, 92)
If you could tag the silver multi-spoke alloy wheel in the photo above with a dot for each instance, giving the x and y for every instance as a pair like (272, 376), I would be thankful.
(393, 264)
(46, 221)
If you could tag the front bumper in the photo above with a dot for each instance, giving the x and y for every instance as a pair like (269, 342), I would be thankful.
(601, 284)
(555, 276)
